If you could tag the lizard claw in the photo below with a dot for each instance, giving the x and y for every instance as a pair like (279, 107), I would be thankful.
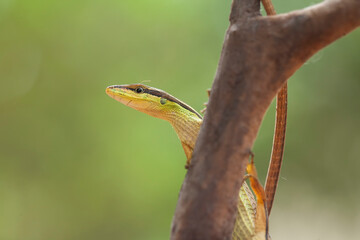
(205, 104)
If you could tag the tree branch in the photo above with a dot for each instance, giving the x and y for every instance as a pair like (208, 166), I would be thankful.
(306, 31)
(244, 8)
(259, 54)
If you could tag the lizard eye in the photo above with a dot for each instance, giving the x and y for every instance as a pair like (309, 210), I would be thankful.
(139, 90)
(162, 101)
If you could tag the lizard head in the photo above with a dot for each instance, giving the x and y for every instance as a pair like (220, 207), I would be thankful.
(149, 100)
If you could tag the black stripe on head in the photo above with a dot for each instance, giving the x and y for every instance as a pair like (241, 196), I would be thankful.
(157, 93)
(161, 94)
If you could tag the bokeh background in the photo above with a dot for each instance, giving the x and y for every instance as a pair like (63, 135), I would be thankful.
(75, 164)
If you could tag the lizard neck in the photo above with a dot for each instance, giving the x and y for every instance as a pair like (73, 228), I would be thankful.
(187, 127)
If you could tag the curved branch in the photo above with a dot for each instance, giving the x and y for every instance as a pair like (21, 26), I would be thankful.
(277, 153)
(304, 32)
(272, 176)
(259, 54)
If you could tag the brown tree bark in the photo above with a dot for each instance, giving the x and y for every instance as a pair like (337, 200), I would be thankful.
(258, 56)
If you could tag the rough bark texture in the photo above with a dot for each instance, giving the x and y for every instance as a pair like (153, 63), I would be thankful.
(258, 55)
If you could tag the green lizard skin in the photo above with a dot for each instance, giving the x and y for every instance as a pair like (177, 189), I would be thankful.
(186, 122)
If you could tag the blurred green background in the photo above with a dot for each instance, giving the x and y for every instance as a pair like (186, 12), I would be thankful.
(75, 164)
